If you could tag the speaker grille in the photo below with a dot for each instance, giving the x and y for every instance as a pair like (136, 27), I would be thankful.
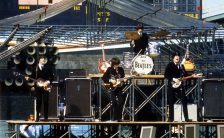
(78, 97)
(213, 98)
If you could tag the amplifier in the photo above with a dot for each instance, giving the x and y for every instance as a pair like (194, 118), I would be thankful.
(213, 98)
(78, 98)
(179, 114)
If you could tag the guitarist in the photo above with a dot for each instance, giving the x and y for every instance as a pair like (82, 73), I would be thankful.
(45, 72)
(174, 70)
(110, 78)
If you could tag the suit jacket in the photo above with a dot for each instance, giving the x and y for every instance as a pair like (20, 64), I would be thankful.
(46, 73)
(111, 72)
(172, 71)
(141, 43)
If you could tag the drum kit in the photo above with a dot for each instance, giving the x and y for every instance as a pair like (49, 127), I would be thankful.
(141, 64)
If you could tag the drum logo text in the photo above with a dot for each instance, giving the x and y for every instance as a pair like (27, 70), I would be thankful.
(143, 65)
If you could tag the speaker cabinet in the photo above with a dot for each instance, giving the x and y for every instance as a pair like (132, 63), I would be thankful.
(220, 131)
(213, 98)
(179, 114)
(52, 105)
(148, 132)
(78, 98)
(191, 131)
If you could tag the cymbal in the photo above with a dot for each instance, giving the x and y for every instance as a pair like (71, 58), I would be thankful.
(132, 35)
(161, 33)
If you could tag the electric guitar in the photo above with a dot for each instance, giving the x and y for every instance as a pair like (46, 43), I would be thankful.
(45, 84)
(102, 63)
(178, 81)
(187, 61)
(117, 83)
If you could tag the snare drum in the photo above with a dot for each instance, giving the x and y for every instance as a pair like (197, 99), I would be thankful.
(142, 64)
(154, 50)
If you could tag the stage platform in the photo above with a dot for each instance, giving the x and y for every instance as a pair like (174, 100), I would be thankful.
(130, 129)
(21, 122)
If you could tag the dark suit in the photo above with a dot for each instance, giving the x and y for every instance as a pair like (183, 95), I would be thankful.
(175, 71)
(47, 74)
(116, 94)
(141, 43)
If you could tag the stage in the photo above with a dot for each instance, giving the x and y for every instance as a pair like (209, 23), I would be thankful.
(133, 128)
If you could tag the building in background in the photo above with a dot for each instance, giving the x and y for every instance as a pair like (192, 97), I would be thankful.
(212, 10)
(84, 13)
(190, 8)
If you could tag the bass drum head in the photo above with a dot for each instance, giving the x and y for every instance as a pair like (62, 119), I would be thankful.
(143, 64)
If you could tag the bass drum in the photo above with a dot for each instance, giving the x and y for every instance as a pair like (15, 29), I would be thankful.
(143, 64)
(153, 50)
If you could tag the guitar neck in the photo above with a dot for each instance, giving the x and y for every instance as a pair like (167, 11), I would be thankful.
(103, 52)
(185, 78)
(32, 79)
(122, 79)
(187, 51)
(29, 77)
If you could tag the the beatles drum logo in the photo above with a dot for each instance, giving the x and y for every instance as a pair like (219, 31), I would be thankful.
(143, 64)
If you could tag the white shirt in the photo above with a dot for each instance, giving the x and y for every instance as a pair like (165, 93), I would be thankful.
(33, 131)
(40, 66)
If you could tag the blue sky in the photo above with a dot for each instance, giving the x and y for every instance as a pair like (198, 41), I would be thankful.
(212, 7)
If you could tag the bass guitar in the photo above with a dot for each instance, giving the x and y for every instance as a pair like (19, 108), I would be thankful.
(45, 84)
(178, 81)
(102, 63)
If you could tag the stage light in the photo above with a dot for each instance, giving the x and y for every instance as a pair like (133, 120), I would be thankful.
(42, 50)
(17, 53)
(31, 50)
(53, 50)
(8, 81)
(30, 60)
(17, 60)
(54, 59)
(30, 83)
(29, 70)
(19, 81)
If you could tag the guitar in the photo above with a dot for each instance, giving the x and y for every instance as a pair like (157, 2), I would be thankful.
(45, 84)
(187, 61)
(102, 63)
(178, 81)
(116, 83)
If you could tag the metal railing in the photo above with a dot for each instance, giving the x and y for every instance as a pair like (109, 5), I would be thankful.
(206, 43)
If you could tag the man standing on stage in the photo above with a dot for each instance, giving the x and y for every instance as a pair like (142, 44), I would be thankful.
(142, 43)
(112, 77)
(44, 76)
(173, 72)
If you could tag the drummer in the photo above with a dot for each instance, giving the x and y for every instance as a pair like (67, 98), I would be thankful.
(142, 42)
